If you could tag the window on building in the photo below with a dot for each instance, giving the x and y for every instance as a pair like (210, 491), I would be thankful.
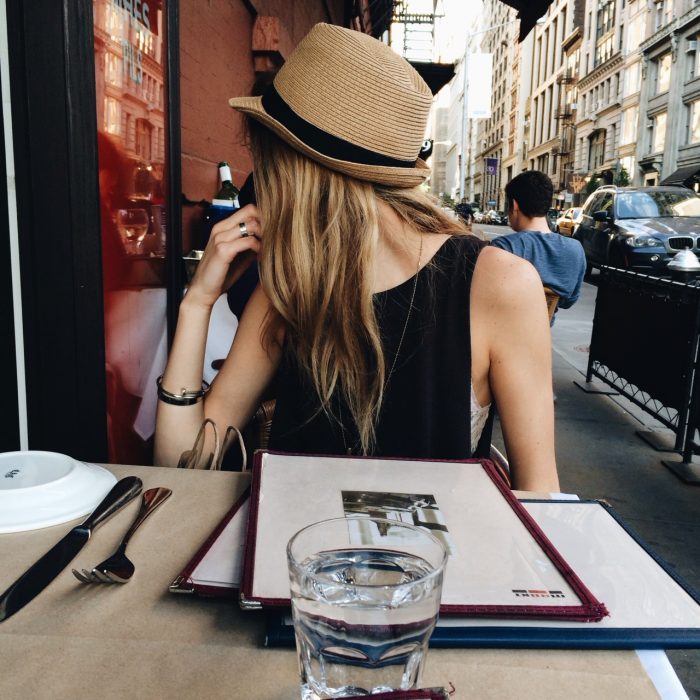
(635, 32)
(690, 64)
(605, 20)
(604, 49)
(694, 122)
(113, 69)
(630, 119)
(143, 137)
(632, 80)
(612, 141)
(596, 149)
(659, 133)
(629, 163)
(663, 13)
(663, 73)
(112, 115)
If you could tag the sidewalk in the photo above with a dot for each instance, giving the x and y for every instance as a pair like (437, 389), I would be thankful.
(599, 456)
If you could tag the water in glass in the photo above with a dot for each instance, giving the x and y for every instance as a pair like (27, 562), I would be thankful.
(362, 619)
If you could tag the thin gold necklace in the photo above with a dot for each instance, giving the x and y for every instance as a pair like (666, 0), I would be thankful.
(400, 345)
(408, 316)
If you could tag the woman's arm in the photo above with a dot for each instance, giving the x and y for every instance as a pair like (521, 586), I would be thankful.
(234, 394)
(511, 337)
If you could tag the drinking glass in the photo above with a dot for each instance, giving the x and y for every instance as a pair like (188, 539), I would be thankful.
(133, 226)
(365, 597)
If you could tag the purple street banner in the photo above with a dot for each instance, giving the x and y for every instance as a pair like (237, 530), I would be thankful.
(492, 166)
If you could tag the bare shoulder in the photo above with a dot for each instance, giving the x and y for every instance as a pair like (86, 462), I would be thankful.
(503, 280)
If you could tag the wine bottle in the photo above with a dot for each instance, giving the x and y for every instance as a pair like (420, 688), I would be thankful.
(227, 196)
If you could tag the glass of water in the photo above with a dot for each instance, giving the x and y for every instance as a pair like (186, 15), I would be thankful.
(365, 598)
(133, 226)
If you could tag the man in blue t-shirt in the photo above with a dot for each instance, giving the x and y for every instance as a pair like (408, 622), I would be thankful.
(559, 260)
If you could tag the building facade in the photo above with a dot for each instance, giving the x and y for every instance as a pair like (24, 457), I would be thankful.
(608, 91)
(499, 35)
(546, 106)
(668, 147)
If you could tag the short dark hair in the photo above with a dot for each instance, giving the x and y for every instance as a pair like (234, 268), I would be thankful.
(533, 191)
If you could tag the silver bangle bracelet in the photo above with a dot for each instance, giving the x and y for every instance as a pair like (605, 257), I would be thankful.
(184, 398)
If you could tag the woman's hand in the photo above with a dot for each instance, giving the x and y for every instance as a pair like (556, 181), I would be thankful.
(233, 246)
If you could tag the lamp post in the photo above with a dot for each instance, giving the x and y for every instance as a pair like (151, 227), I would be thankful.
(465, 88)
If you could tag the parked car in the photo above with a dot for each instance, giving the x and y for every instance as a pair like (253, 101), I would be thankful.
(497, 217)
(567, 223)
(640, 228)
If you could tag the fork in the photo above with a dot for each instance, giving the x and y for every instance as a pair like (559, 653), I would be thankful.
(118, 568)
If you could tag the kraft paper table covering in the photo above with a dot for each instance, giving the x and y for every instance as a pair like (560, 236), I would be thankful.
(140, 641)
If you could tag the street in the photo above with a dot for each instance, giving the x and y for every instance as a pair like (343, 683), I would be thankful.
(600, 456)
(488, 232)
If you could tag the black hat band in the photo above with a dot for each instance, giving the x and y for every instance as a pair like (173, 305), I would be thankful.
(320, 140)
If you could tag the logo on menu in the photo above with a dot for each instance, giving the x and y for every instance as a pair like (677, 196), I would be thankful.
(12, 474)
(537, 593)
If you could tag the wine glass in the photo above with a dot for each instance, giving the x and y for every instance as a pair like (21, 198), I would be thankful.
(133, 226)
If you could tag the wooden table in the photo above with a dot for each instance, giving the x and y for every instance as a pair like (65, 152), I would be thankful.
(140, 641)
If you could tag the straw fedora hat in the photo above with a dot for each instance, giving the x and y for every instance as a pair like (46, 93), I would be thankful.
(350, 103)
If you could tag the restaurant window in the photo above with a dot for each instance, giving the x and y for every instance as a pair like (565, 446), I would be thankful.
(131, 66)
(659, 133)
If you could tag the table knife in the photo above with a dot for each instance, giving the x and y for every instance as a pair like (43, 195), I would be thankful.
(39, 575)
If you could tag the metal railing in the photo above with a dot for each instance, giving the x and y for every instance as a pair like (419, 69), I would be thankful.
(645, 342)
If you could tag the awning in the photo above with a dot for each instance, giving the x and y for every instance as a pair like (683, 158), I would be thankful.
(682, 175)
(529, 11)
(437, 75)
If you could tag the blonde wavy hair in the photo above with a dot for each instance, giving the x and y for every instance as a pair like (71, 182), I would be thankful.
(321, 230)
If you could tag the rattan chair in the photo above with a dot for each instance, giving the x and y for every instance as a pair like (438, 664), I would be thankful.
(552, 299)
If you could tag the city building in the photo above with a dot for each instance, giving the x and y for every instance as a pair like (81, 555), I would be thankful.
(608, 91)
(668, 147)
(520, 78)
(499, 35)
(451, 132)
(570, 182)
(548, 65)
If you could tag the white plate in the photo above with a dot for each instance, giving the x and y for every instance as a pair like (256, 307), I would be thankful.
(39, 489)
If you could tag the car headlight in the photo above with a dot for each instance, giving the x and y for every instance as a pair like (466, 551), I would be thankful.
(642, 241)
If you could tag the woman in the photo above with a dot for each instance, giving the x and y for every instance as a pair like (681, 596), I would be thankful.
(387, 330)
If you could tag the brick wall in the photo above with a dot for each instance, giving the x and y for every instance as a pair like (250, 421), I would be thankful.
(217, 62)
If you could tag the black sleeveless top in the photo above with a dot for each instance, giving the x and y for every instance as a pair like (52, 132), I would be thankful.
(426, 411)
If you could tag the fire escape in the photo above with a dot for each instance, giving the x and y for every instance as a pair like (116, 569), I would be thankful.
(414, 34)
(566, 116)
(418, 30)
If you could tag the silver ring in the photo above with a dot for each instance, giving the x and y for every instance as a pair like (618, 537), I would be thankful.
(244, 229)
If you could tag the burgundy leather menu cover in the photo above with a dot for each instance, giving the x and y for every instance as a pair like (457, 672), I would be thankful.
(501, 564)
(215, 568)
